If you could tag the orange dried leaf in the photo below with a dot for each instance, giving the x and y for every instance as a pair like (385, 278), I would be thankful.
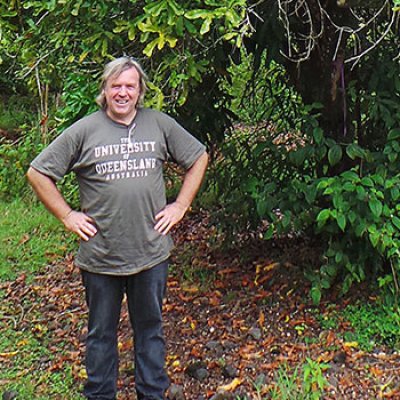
(215, 301)
(376, 371)
(9, 354)
(261, 319)
(230, 387)
(227, 271)
(190, 289)
(350, 345)
(25, 238)
(271, 266)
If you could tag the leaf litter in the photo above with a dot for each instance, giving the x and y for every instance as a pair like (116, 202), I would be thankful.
(233, 320)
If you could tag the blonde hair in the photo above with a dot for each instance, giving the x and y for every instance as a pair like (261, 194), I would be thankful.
(113, 69)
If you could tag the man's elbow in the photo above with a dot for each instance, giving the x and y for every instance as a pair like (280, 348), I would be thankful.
(33, 176)
(204, 158)
(30, 174)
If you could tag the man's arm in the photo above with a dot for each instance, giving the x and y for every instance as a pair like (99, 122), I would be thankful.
(48, 193)
(174, 212)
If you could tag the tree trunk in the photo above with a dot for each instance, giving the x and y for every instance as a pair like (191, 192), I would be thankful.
(322, 78)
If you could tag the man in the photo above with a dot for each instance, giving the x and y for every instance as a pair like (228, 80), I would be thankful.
(117, 154)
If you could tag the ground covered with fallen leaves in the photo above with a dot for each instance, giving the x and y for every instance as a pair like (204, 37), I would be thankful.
(235, 320)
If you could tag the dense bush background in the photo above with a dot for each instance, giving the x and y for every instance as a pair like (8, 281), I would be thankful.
(300, 110)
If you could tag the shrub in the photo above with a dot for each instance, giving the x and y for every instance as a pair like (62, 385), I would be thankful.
(373, 325)
(354, 213)
(15, 158)
(294, 173)
(16, 112)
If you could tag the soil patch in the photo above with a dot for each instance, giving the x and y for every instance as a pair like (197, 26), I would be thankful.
(233, 319)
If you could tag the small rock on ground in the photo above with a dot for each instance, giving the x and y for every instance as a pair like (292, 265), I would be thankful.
(10, 395)
(175, 392)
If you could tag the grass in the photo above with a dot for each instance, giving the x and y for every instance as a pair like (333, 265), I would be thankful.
(302, 382)
(372, 324)
(313, 382)
(29, 239)
(26, 371)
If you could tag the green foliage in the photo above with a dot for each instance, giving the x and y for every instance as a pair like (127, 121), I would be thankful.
(313, 378)
(55, 51)
(256, 150)
(299, 177)
(355, 213)
(54, 40)
(14, 162)
(287, 387)
(30, 238)
(259, 96)
(78, 99)
(361, 221)
(370, 323)
(373, 325)
(16, 112)
(15, 158)
(313, 382)
(329, 319)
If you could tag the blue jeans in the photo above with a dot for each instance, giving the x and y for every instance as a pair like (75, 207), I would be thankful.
(145, 292)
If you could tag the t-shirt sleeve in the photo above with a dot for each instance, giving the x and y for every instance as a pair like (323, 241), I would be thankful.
(183, 147)
(59, 157)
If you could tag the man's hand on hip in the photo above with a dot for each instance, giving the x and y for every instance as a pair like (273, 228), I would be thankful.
(169, 216)
(81, 224)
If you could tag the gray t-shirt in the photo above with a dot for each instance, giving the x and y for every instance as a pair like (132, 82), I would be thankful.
(120, 175)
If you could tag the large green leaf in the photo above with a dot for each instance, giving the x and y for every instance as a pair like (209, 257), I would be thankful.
(341, 221)
(396, 222)
(354, 151)
(335, 154)
(323, 216)
(376, 207)
(394, 134)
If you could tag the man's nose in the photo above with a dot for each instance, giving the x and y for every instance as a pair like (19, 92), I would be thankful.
(122, 91)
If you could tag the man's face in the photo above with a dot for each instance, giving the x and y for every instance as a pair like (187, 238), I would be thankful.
(122, 93)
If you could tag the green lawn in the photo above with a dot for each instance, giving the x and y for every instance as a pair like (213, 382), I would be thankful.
(30, 237)
(26, 371)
